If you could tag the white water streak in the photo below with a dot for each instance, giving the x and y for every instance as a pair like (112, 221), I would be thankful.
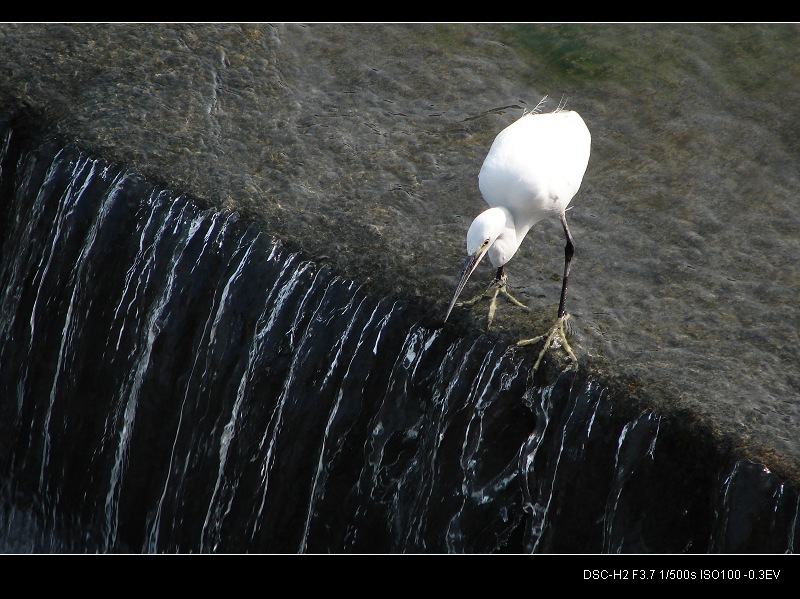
(275, 308)
(213, 231)
(480, 397)
(69, 330)
(623, 469)
(129, 392)
(139, 271)
(543, 508)
(318, 482)
(12, 290)
(216, 515)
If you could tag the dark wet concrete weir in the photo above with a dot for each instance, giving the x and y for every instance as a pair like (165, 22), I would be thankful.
(174, 380)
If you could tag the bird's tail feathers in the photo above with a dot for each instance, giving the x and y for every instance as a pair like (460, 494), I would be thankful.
(562, 106)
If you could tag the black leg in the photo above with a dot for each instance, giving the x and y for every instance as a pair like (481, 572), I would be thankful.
(569, 250)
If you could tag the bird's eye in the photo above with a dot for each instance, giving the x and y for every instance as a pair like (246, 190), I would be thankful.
(485, 242)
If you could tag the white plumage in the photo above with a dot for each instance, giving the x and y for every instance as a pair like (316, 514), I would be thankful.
(532, 171)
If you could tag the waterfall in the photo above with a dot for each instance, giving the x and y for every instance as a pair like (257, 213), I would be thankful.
(174, 380)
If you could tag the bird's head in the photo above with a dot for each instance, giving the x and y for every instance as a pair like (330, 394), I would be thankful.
(482, 234)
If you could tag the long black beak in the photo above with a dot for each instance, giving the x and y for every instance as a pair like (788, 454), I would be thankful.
(469, 265)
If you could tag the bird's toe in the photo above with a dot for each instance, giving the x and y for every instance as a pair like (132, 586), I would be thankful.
(555, 338)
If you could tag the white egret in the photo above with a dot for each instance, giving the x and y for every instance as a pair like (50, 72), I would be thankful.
(532, 171)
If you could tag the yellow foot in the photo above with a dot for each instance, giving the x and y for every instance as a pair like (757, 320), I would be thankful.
(496, 287)
(557, 337)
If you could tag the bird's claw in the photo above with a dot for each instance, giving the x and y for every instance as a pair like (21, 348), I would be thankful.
(556, 338)
(495, 287)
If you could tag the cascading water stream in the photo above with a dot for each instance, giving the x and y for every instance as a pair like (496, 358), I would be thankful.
(172, 380)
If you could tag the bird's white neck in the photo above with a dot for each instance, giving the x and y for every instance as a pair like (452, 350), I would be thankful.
(507, 242)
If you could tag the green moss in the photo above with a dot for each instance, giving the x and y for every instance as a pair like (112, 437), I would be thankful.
(575, 51)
